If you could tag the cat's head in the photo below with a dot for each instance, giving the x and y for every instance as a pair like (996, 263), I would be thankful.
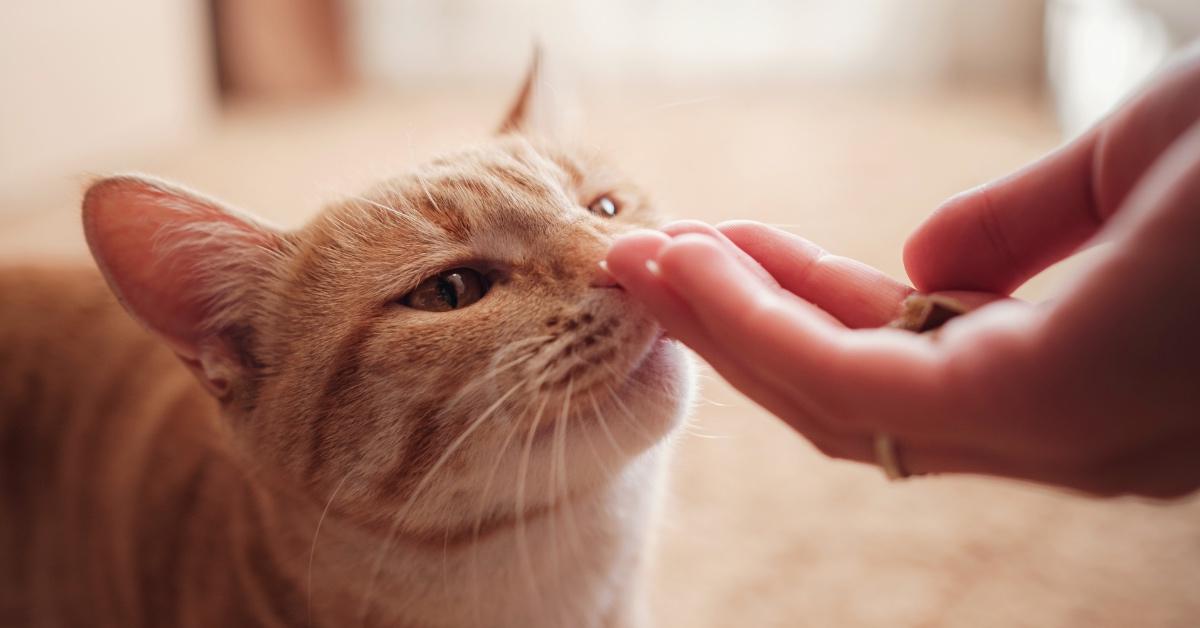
(444, 342)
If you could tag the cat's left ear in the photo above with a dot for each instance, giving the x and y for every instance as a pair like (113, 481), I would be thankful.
(188, 268)
(541, 108)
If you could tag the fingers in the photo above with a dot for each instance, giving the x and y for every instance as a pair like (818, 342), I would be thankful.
(723, 349)
(1139, 133)
(627, 261)
(785, 338)
(834, 386)
(681, 227)
(728, 299)
(1143, 295)
(752, 331)
(995, 237)
(854, 293)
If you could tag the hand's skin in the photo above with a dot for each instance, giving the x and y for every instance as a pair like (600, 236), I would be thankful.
(1098, 390)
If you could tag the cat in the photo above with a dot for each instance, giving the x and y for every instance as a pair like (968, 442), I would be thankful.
(428, 407)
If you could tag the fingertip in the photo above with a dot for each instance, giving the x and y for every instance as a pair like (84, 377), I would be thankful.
(681, 227)
(914, 256)
(693, 261)
(631, 250)
(640, 235)
(631, 261)
(688, 246)
(925, 251)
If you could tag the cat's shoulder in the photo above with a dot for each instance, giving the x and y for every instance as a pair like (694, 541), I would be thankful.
(53, 286)
(63, 333)
(51, 304)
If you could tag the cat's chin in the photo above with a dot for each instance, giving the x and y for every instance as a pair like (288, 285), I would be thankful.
(651, 400)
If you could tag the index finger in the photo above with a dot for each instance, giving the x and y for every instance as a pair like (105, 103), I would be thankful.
(854, 378)
(854, 293)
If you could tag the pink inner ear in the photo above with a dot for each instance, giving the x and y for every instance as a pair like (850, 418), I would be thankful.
(151, 242)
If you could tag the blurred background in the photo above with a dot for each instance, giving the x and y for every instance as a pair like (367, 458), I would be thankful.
(844, 121)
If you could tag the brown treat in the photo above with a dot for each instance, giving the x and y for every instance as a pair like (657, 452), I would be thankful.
(927, 312)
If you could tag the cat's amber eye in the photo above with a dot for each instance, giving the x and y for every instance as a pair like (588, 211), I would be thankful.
(450, 290)
(604, 205)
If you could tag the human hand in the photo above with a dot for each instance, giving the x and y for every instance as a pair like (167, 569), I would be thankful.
(1098, 390)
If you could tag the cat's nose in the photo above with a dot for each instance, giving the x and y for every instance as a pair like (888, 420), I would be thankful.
(601, 278)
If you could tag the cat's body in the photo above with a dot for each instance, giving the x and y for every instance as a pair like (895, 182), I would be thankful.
(369, 459)
(154, 521)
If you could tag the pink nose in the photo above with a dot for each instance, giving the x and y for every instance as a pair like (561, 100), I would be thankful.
(601, 278)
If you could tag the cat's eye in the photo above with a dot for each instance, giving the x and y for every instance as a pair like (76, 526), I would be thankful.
(449, 290)
(604, 205)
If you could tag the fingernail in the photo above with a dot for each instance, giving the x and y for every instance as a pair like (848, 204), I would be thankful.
(603, 278)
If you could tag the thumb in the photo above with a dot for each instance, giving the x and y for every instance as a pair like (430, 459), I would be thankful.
(996, 237)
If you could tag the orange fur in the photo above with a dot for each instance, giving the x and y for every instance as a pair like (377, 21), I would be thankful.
(344, 460)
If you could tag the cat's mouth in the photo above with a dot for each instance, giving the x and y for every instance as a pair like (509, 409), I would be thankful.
(613, 390)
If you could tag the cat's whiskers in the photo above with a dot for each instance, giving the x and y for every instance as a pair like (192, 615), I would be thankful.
(608, 470)
(625, 409)
(447, 589)
(522, 472)
(620, 451)
(312, 552)
(492, 373)
(563, 492)
(463, 393)
(692, 428)
(552, 490)
(558, 473)
(512, 347)
(483, 501)
(377, 567)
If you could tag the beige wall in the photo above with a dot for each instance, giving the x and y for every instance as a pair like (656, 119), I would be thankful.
(657, 41)
(83, 78)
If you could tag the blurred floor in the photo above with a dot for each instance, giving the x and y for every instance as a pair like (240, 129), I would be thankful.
(759, 529)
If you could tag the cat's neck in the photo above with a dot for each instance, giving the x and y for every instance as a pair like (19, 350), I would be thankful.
(181, 530)
(577, 564)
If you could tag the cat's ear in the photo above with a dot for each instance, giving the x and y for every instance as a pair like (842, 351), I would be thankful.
(540, 110)
(183, 265)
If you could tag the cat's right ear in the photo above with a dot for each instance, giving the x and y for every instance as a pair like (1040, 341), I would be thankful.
(183, 265)
(539, 109)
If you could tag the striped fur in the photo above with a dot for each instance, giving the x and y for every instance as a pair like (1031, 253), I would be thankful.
(361, 463)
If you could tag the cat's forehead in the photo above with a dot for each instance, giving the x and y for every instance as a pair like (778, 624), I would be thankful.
(511, 203)
(508, 184)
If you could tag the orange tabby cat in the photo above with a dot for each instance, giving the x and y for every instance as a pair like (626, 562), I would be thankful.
(425, 408)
